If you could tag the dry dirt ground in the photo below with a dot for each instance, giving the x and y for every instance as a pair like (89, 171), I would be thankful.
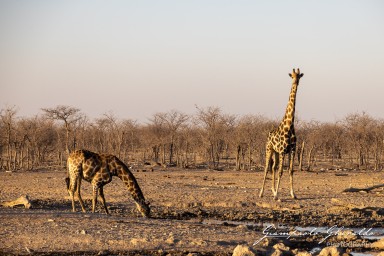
(193, 211)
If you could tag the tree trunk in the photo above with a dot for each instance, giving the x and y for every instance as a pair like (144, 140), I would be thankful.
(238, 158)
(171, 152)
(163, 158)
(310, 157)
(28, 166)
(301, 155)
(249, 156)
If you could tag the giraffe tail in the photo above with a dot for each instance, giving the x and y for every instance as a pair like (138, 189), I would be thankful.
(67, 182)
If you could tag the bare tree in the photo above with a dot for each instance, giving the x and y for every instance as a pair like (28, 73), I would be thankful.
(172, 122)
(359, 129)
(156, 137)
(67, 114)
(130, 136)
(216, 127)
(251, 131)
(8, 118)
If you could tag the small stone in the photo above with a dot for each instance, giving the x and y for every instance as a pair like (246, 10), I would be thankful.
(331, 251)
(281, 247)
(243, 250)
(171, 240)
(277, 252)
(103, 253)
(378, 244)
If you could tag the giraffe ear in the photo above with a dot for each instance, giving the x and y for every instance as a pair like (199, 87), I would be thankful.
(301, 75)
(290, 75)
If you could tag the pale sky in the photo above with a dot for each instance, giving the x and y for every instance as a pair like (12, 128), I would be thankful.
(136, 58)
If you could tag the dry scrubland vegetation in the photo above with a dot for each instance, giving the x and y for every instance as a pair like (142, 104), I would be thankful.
(209, 138)
(200, 211)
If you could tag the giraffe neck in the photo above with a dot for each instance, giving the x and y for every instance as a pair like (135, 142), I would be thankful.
(123, 172)
(289, 116)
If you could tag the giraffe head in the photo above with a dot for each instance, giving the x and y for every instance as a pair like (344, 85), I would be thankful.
(143, 208)
(296, 76)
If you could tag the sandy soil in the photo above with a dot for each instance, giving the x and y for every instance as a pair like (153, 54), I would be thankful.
(201, 211)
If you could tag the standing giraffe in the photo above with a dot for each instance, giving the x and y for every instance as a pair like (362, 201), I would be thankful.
(98, 169)
(282, 141)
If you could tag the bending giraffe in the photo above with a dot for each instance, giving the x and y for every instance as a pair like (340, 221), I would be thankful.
(98, 169)
(282, 141)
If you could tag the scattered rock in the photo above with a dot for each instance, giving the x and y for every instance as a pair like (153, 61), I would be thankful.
(331, 251)
(138, 241)
(171, 240)
(346, 235)
(242, 228)
(303, 253)
(103, 253)
(199, 242)
(378, 244)
(243, 250)
(281, 247)
(269, 241)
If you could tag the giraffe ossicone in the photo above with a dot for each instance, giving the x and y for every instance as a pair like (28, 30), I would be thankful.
(98, 169)
(282, 141)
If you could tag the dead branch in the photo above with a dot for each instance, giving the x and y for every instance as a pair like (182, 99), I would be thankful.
(363, 189)
(23, 200)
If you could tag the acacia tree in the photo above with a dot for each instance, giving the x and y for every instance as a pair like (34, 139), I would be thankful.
(8, 118)
(359, 129)
(114, 134)
(41, 134)
(250, 138)
(216, 130)
(172, 122)
(157, 133)
(69, 116)
(310, 138)
(378, 145)
(130, 137)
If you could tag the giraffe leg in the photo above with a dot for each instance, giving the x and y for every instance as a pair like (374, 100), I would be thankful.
(275, 158)
(291, 163)
(101, 192)
(71, 191)
(94, 199)
(266, 169)
(79, 195)
(281, 161)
